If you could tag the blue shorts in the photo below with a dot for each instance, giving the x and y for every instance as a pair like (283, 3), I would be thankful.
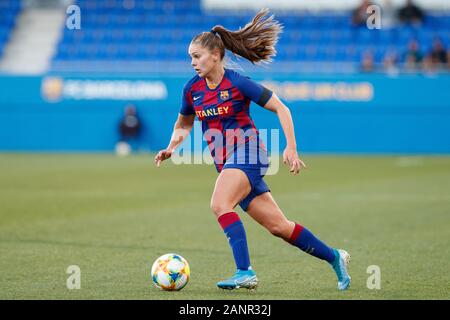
(254, 170)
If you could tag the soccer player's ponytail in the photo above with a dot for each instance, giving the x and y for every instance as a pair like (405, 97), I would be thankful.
(255, 42)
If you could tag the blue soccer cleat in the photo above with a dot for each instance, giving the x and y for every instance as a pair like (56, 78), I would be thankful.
(242, 279)
(339, 265)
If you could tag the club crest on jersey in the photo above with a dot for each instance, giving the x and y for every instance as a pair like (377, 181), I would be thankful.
(224, 95)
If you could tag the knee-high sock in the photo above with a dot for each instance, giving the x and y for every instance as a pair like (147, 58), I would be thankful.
(235, 232)
(302, 238)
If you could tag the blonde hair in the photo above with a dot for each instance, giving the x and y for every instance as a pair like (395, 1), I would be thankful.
(255, 42)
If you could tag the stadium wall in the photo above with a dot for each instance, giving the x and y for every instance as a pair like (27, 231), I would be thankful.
(345, 114)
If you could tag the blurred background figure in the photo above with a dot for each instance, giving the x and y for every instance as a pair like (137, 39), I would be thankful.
(390, 63)
(411, 13)
(359, 14)
(436, 59)
(448, 59)
(367, 62)
(413, 56)
(438, 54)
(130, 130)
(388, 15)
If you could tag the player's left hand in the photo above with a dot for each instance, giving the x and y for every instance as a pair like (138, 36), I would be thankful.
(291, 159)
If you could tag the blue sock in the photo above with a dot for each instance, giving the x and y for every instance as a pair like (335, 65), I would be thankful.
(302, 238)
(235, 232)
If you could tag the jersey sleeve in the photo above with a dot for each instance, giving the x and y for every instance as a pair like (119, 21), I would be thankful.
(253, 90)
(186, 103)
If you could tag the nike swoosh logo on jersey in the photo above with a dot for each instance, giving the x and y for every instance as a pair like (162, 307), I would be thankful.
(196, 98)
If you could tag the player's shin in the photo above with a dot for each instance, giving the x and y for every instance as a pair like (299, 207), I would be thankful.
(235, 232)
(303, 239)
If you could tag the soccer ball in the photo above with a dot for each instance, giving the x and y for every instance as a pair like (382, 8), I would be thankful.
(170, 272)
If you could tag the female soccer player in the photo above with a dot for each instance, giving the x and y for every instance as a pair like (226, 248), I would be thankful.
(220, 99)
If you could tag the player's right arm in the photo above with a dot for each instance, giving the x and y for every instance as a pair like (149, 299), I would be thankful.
(181, 130)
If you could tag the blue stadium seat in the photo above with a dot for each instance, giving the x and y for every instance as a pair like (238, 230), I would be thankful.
(9, 9)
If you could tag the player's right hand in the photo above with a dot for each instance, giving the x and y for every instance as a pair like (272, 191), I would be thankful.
(163, 155)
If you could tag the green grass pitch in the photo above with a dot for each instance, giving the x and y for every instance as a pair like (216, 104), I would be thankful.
(114, 216)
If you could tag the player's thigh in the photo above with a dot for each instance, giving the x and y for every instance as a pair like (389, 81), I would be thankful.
(232, 185)
(264, 210)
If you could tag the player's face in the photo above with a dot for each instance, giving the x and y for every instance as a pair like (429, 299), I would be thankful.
(203, 60)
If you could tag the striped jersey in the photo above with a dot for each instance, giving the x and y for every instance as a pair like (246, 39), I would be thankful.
(224, 112)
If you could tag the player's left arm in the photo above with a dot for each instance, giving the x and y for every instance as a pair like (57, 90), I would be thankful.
(290, 155)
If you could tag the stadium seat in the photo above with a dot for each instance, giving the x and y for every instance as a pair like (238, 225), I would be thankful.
(9, 9)
(161, 30)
